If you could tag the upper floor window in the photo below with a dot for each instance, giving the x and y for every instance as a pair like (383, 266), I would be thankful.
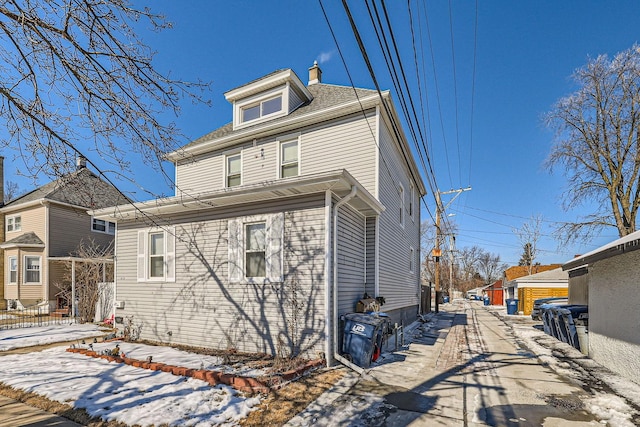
(102, 226)
(402, 206)
(411, 198)
(234, 170)
(32, 269)
(289, 159)
(14, 223)
(13, 269)
(261, 109)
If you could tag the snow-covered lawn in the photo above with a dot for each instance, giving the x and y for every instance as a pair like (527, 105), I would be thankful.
(38, 335)
(116, 391)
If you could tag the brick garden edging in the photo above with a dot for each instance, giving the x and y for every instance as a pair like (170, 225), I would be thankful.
(238, 382)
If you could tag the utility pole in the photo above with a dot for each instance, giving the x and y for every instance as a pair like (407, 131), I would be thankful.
(437, 252)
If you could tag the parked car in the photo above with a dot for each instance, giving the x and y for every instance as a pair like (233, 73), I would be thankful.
(535, 313)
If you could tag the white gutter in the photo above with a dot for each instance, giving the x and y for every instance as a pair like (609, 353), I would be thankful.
(336, 353)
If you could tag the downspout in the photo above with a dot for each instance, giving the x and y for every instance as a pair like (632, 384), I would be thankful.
(336, 354)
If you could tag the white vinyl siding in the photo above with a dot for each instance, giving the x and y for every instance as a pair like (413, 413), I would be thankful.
(344, 144)
(401, 201)
(348, 143)
(201, 308)
(396, 283)
(156, 255)
(351, 259)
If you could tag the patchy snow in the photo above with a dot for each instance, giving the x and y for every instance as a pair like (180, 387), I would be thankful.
(115, 391)
(38, 335)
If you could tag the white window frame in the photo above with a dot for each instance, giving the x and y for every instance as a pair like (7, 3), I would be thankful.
(260, 99)
(412, 259)
(402, 204)
(281, 162)
(39, 269)
(412, 196)
(273, 251)
(226, 168)
(9, 270)
(109, 226)
(11, 223)
(168, 251)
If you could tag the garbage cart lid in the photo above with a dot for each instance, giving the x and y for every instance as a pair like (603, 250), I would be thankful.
(365, 318)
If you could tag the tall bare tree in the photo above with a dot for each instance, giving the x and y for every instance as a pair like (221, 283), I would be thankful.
(490, 267)
(597, 144)
(529, 235)
(75, 78)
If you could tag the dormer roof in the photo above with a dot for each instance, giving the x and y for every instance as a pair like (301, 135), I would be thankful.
(270, 81)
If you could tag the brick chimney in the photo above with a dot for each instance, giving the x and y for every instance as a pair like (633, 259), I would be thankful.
(315, 74)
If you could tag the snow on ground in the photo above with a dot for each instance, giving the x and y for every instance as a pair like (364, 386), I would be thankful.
(116, 391)
(571, 363)
(38, 335)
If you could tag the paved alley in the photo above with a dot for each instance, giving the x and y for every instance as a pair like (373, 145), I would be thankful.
(463, 368)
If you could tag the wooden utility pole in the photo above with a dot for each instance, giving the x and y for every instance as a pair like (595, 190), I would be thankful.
(437, 252)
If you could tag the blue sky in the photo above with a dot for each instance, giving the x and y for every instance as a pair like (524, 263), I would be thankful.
(483, 128)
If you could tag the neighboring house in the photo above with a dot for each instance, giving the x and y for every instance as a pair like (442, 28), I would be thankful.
(527, 289)
(514, 272)
(44, 227)
(282, 220)
(611, 275)
(494, 291)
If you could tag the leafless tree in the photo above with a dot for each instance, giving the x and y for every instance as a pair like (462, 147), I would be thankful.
(490, 267)
(11, 190)
(597, 139)
(529, 236)
(88, 274)
(75, 78)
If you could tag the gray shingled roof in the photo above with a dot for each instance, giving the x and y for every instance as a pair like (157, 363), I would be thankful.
(324, 96)
(29, 238)
(79, 188)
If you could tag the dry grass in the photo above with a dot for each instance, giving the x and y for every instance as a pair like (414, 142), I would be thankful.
(283, 404)
(79, 416)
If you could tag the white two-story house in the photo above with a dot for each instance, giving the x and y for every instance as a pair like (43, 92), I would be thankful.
(281, 221)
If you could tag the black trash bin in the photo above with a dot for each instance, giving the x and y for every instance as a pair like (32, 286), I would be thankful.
(363, 337)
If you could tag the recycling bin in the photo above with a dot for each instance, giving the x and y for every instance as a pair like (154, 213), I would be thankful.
(446, 299)
(363, 337)
(512, 306)
(486, 300)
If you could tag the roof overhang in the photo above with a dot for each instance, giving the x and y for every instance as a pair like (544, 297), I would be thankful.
(80, 259)
(339, 182)
(22, 245)
(38, 202)
(268, 82)
(625, 244)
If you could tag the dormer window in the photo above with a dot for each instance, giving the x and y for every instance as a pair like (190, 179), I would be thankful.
(262, 109)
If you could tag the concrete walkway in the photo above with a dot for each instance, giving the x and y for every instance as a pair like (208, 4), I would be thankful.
(462, 367)
(17, 414)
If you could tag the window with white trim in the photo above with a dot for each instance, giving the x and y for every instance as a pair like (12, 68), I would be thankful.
(412, 195)
(13, 269)
(156, 255)
(255, 249)
(14, 223)
(402, 207)
(289, 159)
(233, 170)
(32, 269)
(412, 257)
(261, 109)
(102, 226)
